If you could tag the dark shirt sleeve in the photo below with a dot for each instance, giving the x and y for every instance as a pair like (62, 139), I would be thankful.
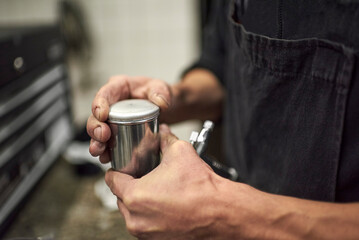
(213, 49)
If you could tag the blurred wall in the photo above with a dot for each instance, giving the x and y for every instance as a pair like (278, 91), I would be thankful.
(155, 38)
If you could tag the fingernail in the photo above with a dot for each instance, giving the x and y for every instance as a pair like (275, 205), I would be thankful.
(97, 112)
(98, 133)
(162, 99)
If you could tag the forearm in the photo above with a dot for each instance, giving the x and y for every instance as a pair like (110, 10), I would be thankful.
(248, 213)
(198, 96)
(319, 220)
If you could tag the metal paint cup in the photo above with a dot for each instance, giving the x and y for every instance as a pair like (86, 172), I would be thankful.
(134, 142)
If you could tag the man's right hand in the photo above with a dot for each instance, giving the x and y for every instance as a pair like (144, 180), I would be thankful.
(120, 88)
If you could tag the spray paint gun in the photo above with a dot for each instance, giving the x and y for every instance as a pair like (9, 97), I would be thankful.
(200, 142)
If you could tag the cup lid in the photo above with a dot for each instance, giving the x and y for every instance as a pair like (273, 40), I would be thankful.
(133, 111)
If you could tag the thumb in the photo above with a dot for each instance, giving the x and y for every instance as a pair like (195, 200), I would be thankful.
(167, 138)
(118, 182)
(160, 94)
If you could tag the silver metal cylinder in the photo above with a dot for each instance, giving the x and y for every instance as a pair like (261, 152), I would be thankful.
(134, 142)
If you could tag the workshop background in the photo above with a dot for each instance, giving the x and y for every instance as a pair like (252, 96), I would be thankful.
(155, 38)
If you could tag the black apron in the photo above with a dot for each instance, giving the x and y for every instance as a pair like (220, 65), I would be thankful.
(288, 73)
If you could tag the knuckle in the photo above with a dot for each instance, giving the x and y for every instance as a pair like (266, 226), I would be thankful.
(138, 229)
(161, 85)
(117, 78)
(181, 145)
(136, 198)
(91, 125)
(105, 132)
(132, 199)
(98, 94)
(133, 228)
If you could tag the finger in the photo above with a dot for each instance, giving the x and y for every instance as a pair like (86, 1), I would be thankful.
(160, 94)
(96, 148)
(164, 129)
(97, 130)
(167, 138)
(118, 182)
(105, 156)
(124, 211)
(155, 90)
(116, 89)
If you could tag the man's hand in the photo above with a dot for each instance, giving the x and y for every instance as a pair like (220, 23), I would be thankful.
(172, 201)
(120, 88)
(198, 96)
(184, 199)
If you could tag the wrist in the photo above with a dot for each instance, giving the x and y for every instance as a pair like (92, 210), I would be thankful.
(198, 96)
(224, 213)
(244, 212)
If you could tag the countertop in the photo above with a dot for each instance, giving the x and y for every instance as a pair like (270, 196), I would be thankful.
(63, 205)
